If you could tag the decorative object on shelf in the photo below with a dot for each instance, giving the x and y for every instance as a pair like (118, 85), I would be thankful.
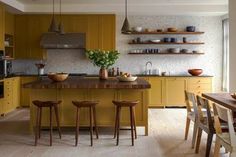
(172, 29)
(186, 51)
(58, 77)
(138, 29)
(53, 26)
(40, 66)
(148, 30)
(184, 40)
(195, 72)
(173, 40)
(159, 30)
(174, 50)
(155, 40)
(167, 40)
(190, 28)
(126, 27)
(103, 59)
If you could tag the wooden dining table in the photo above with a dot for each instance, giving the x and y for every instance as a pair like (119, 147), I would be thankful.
(223, 99)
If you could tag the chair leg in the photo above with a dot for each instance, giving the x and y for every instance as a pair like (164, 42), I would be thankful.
(131, 124)
(194, 134)
(217, 147)
(58, 121)
(50, 126)
(134, 120)
(199, 136)
(40, 119)
(95, 121)
(208, 146)
(77, 127)
(118, 125)
(116, 121)
(91, 125)
(187, 128)
(36, 127)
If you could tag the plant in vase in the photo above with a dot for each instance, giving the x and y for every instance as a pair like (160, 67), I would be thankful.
(103, 59)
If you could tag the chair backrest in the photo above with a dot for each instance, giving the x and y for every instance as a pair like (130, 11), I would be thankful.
(191, 102)
(225, 114)
(204, 104)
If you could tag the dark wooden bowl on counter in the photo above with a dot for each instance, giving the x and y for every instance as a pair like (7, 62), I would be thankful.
(195, 72)
(58, 77)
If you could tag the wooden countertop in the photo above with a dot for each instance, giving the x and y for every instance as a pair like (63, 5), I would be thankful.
(88, 83)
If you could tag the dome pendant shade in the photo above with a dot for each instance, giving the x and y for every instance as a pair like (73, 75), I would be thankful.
(126, 27)
(53, 26)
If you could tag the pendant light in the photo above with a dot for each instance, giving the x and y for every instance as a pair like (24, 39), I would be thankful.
(126, 27)
(53, 26)
(60, 26)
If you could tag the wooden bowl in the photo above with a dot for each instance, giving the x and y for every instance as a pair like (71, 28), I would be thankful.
(195, 72)
(172, 29)
(127, 79)
(233, 95)
(58, 77)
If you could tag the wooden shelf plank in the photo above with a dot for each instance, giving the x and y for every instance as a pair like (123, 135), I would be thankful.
(165, 53)
(160, 33)
(168, 43)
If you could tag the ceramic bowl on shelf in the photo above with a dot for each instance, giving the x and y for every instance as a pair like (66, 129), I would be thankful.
(172, 29)
(195, 72)
(190, 28)
(138, 29)
(156, 40)
(174, 50)
(58, 77)
(127, 79)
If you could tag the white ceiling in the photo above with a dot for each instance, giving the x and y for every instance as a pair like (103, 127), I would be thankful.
(153, 7)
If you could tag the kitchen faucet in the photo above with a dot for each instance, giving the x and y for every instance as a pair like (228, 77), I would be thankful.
(148, 71)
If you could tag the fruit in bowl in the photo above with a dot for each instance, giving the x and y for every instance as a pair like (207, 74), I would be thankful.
(126, 77)
(233, 95)
(58, 77)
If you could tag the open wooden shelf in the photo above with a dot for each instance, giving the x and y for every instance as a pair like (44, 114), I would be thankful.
(160, 33)
(165, 53)
(167, 43)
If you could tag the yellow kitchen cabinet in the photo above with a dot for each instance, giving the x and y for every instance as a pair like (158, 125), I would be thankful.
(8, 96)
(92, 36)
(2, 26)
(156, 96)
(25, 92)
(107, 32)
(200, 85)
(21, 37)
(1, 106)
(174, 91)
(9, 23)
(16, 92)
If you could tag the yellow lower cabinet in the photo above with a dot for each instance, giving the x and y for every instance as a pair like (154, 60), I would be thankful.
(25, 93)
(8, 96)
(200, 85)
(174, 91)
(16, 92)
(156, 96)
(1, 106)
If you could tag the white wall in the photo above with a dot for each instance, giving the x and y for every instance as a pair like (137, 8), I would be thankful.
(75, 62)
(232, 55)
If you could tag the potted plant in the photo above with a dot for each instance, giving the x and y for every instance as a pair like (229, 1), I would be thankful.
(103, 59)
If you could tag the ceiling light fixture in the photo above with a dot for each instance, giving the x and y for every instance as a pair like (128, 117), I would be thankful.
(126, 27)
(53, 26)
(60, 26)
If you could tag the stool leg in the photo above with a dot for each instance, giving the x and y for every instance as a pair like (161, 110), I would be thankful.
(36, 126)
(115, 129)
(77, 127)
(95, 121)
(40, 119)
(131, 124)
(134, 122)
(50, 126)
(118, 125)
(58, 121)
(91, 125)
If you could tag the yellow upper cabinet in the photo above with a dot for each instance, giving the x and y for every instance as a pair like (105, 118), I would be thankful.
(2, 26)
(9, 23)
(93, 32)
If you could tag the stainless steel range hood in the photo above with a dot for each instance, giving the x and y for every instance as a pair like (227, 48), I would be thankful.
(63, 41)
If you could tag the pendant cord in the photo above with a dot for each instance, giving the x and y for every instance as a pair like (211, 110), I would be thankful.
(53, 9)
(60, 10)
(126, 9)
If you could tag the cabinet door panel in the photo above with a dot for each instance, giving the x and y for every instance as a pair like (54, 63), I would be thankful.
(2, 26)
(155, 93)
(92, 40)
(175, 91)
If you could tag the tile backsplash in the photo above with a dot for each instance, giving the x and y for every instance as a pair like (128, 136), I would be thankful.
(74, 61)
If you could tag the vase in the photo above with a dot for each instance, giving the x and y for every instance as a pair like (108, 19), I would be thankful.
(103, 74)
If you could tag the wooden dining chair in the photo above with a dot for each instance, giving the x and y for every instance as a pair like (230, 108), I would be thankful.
(205, 123)
(192, 115)
(225, 139)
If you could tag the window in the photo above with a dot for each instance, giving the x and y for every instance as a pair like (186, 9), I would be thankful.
(225, 84)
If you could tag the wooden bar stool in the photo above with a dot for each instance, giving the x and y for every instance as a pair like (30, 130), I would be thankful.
(92, 111)
(46, 104)
(131, 105)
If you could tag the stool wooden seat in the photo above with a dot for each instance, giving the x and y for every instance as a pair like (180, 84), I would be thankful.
(50, 105)
(131, 105)
(92, 111)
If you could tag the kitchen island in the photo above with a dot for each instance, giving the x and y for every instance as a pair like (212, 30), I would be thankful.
(82, 88)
